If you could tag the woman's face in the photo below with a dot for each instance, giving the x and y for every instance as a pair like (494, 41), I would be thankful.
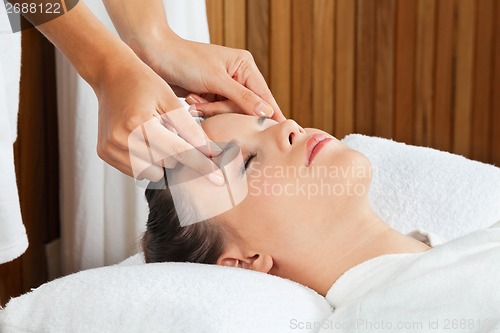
(299, 182)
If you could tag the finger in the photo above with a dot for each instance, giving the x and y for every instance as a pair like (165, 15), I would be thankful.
(268, 97)
(121, 159)
(279, 117)
(143, 163)
(195, 99)
(256, 83)
(139, 156)
(170, 128)
(212, 109)
(191, 131)
(203, 108)
(170, 163)
(204, 98)
(141, 159)
(249, 102)
(194, 113)
(163, 143)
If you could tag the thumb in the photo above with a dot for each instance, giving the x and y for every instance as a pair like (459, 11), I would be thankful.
(248, 102)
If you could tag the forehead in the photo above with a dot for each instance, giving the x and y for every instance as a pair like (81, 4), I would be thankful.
(228, 126)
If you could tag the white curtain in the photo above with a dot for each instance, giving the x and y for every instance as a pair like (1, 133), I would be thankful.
(103, 213)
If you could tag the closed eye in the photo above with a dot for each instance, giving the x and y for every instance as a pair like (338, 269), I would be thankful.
(248, 160)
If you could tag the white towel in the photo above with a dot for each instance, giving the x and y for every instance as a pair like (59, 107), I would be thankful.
(172, 297)
(423, 188)
(450, 288)
(13, 239)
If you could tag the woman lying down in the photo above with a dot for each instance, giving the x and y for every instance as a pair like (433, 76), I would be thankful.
(307, 218)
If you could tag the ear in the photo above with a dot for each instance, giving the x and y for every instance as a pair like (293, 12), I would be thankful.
(233, 256)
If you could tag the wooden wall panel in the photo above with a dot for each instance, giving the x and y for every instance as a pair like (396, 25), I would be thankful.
(11, 280)
(404, 104)
(425, 72)
(495, 92)
(365, 65)
(344, 68)
(480, 145)
(235, 24)
(215, 14)
(302, 69)
(463, 75)
(384, 67)
(280, 50)
(258, 33)
(323, 65)
(424, 85)
(443, 81)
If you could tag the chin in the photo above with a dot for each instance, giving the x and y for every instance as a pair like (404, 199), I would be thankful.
(347, 169)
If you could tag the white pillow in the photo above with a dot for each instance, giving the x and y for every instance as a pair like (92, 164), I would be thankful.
(413, 187)
(423, 188)
(167, 297)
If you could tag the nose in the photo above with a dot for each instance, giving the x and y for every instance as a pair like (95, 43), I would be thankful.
(289, 132)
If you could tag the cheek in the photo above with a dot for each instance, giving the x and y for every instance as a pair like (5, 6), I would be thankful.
(352, 167)
(349, 175)
(282, 203)
(270, 185)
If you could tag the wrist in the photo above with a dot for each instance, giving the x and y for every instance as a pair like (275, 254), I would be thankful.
(140, 24)
(113, 64)
(150, 45)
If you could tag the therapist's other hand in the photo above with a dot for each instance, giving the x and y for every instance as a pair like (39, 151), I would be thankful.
(192, 67)
(202, 106)
(134, 99)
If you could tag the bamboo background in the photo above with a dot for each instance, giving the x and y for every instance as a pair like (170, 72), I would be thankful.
(425, 72)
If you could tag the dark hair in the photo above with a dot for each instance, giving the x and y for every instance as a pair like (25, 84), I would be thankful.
(166, 240)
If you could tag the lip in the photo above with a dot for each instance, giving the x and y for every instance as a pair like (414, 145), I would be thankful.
(314, 144)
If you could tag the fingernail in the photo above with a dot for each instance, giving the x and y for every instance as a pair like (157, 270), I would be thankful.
(195, 113)
(264, 110)
(191, 100)
(216, 178)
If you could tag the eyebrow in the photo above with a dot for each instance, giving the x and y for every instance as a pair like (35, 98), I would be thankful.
(261, 120)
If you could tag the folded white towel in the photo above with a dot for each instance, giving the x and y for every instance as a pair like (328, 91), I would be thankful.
(172, 297)
(417, 187)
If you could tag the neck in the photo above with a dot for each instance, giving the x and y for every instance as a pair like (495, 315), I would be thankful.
(353, 241)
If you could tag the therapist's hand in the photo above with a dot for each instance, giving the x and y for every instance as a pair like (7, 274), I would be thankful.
(134, 99)
(228, 78)
(190, 67)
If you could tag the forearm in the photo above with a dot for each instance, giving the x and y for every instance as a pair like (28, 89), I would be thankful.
(88, 45)
(139, 23)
